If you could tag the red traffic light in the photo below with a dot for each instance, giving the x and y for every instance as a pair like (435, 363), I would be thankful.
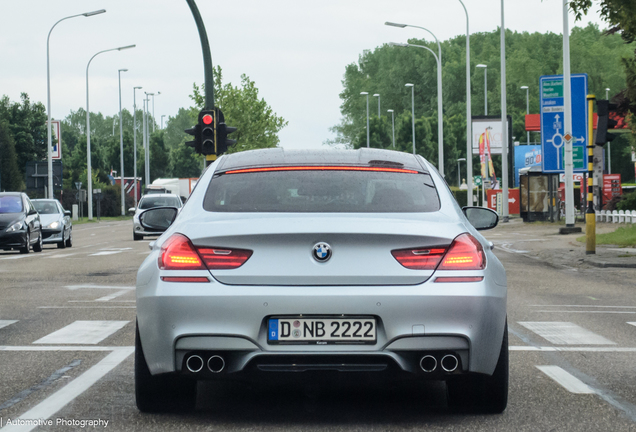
(207, 119)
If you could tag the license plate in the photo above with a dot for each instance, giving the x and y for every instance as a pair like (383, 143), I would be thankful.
(322, 331)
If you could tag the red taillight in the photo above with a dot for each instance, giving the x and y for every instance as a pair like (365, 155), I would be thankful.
(465, 253)
(177, 253)
(321, 168)
(224, 259)
(419, 259)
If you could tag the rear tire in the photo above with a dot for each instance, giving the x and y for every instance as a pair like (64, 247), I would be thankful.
(161, 393)
(483, 393)
(27, 248)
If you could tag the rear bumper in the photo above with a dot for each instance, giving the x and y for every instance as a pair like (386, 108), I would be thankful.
(179, 320)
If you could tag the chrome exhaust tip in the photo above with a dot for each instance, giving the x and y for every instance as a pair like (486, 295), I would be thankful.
(449, 363)
(428, 363)
(216, 364)
(194, 363)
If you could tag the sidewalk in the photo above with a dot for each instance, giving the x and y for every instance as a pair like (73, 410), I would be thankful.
(543, 241)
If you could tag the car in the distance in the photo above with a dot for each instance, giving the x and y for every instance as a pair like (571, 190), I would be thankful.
(149, 201)
(56, 222)
(354, 264)
(20, 226)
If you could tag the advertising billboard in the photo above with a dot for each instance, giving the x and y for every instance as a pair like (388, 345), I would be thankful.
(492, 126)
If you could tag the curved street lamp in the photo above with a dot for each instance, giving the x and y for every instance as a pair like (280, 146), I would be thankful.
(48, 97)
(412, 110)
(88, 134)
(367, 95)
(440, 124)
(121, 148)
(135, 139)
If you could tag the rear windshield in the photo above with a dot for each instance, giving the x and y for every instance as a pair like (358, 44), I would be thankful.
(322, 191)
(10, 204)
(157, 201)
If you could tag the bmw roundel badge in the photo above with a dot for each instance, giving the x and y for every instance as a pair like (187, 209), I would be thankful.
(322, 252)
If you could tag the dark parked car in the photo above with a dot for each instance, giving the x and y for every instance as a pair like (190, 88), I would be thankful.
(20, 226)
(56, 222)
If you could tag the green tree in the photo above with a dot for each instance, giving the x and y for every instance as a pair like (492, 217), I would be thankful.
(257, 124)
(10, 178)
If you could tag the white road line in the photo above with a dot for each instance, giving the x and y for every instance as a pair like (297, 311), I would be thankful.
(508, 248)
(58, 400)
(571, 349)
(112, 296)
(105, 253)
(86, 307)
(566, 380)
(588, 311)
(74, 287)
(587, 306)
(63, 255)
(14, 257)
(566, 333)
(31, 348)
(632, 323)
(4, 323)
(83, 332)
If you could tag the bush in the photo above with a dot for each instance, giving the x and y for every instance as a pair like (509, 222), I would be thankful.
(628, 202)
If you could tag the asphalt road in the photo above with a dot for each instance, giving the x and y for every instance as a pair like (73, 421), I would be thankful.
(67, 331)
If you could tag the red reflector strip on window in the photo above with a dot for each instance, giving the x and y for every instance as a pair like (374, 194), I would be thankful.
(460, 279)
(321, 168)
(224, 259)
(184, 279)
(419, 259)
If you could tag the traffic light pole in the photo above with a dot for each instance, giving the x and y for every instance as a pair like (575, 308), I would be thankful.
(207, 57)
(590, 216)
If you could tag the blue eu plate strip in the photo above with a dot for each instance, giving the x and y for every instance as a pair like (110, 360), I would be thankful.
(273, 329)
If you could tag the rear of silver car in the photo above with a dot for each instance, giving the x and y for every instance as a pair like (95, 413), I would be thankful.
(404, 288)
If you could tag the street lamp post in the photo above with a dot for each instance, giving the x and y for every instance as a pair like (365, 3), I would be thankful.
(162, 116)
(392, 125)
(412, 111)
(609, 148)
(527, 89)
(469, 119)
(459, 179)
(440, 114)
(367, 95)
(121, 148)
(88, 134)
(153, 110)
(485, 67)
(504, 121)
(147, 136)
(48, 99)
(378, 96)
(135, 140)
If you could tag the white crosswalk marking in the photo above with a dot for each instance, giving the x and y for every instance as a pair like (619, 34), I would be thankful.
(566, 333)
(83, 332)
(566, 380)
(4, 323)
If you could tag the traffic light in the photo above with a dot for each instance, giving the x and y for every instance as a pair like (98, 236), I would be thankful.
(195, 131)
(207, 125)
(604, 108)
(223, 131)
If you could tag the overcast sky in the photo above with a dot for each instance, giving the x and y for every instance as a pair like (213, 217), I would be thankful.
(295, 51)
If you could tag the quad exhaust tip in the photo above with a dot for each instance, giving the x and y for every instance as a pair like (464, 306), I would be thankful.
(449, 363)
(216, 364)
(194, 363)
(428, 363)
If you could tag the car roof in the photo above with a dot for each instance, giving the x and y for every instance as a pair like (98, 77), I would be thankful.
(160, 195)
(330, 157)
(10, 193)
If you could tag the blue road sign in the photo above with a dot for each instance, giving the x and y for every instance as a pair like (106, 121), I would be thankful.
(552, 110)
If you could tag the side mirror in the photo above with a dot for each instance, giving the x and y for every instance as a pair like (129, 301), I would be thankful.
(481, 218)
(32, 212)
(158, 219)
(131, 210)
(67, 212)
